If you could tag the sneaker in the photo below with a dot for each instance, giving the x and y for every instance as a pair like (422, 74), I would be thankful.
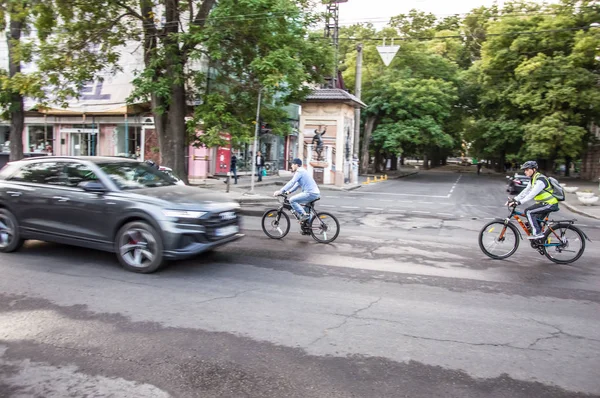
(533, 237)
(303, 217)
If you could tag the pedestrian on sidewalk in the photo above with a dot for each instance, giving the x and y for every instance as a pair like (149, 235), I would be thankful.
(260, 165)
(233, 168)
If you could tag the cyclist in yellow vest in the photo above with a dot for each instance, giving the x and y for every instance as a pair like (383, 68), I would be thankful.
(540, 190)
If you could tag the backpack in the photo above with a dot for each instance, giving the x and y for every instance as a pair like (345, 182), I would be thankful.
(558, 191)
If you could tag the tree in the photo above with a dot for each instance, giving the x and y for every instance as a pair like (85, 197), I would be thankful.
(410, 101)
(545, 80)
(414, 115)
(167, 44)
(275, 55)
(68, 50)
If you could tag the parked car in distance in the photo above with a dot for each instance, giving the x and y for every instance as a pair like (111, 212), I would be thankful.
(113, 204)
(517, 183)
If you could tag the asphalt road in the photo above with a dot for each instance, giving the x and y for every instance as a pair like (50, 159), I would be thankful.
(403, 304)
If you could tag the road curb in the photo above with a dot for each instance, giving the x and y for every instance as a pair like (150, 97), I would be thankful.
(334, 188)
(583, 213)
(405, 175)
(253, 211)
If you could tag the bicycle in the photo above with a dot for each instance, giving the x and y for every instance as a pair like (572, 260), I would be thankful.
(322, 226)
(555, 242)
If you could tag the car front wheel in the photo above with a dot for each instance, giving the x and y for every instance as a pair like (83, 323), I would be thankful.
(10, 239)
(139, 247)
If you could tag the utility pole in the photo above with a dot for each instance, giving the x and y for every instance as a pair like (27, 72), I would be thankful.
(332, 29)
(357, 94)
(255, 141)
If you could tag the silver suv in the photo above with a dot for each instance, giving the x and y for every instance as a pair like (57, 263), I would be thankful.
(112, 204)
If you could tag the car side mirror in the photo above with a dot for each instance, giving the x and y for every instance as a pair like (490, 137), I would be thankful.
(92, 186)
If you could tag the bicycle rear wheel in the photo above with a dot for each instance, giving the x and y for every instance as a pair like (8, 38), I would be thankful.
(324, 228)
(499, 241)
(563, 243)
(275, 224)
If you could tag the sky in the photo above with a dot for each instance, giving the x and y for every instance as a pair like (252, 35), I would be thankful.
(379, 11)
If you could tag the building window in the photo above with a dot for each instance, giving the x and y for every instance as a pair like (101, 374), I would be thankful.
(41, 138)
(4, 138)
(129, 145)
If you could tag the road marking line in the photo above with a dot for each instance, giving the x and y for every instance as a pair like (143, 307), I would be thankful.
(350, 207)
(374, 208)
(397, 211)
(327, 205)
(422, 212)
(400, 194)
(427, 203)
(385, 200)
(454, 186)
(445, 214)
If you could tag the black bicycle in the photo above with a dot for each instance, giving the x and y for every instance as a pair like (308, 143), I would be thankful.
(322, 226)
(563, 242)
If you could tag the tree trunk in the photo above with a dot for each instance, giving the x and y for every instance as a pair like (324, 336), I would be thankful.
(426, 161)
(157, 103)
(394, 163)
(364, 156)
(17, 112)
(160, 122)
(177, 132)
(379, 161)
(568, 161)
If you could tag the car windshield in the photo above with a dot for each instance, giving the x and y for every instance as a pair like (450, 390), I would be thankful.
(131, 175)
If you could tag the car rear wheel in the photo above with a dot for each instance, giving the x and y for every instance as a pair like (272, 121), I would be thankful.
(10, 239)
(139, 247)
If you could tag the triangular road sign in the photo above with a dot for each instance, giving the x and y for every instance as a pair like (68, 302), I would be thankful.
(387, 53)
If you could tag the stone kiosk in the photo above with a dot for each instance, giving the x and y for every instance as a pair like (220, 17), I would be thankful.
(326, 136)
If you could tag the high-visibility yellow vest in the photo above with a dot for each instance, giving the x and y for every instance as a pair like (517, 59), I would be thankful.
(546, 195)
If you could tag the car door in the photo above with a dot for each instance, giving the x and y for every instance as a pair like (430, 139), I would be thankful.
(90, 215)
(33, 191)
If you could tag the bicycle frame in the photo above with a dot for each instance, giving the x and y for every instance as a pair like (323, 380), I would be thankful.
(544, 223)
(287, 205)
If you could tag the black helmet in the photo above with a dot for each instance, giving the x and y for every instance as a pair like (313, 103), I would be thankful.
(530, 164)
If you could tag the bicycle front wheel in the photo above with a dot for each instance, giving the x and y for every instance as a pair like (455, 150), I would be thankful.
(324, 228)
(499, 241)
(275, 224)
(563, 243)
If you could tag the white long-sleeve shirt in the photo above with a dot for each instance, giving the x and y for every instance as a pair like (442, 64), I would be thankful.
(531, 192)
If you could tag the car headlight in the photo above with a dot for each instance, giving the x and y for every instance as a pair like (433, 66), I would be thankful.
(183, 213)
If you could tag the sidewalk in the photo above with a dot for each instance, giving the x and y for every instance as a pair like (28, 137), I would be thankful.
(255, 203)
(573, 204)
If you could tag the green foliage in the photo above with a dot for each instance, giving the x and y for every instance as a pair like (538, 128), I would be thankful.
(545, 81)
(69, 50)
(516, 81)
(413, 98)
(414, 114)
(275, 55)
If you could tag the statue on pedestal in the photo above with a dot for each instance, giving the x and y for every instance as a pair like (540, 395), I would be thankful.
(317, 138)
